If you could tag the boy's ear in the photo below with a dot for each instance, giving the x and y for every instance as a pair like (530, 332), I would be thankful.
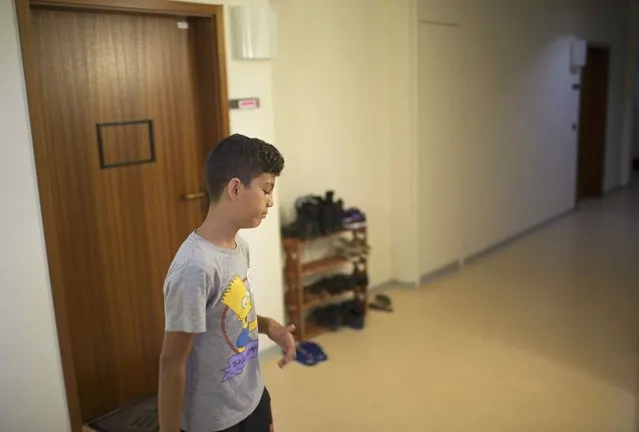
(233, 188)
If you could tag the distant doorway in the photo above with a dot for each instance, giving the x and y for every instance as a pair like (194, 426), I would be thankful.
(593, 111)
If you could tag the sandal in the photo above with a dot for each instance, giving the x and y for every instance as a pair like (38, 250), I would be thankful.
(382, 303)
(304, 357)
(314, 350)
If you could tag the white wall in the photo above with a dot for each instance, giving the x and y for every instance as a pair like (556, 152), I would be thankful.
(440, 150)
(400, 45)
(496, 150)
(331, 111)
(30, 370)
(31, 385)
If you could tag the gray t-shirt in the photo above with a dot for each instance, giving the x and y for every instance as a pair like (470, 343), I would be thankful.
(207, 292)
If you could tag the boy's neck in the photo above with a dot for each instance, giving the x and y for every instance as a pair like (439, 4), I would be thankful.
(218, 229)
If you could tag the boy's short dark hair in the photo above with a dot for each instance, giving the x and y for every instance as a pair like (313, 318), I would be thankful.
(238, 156)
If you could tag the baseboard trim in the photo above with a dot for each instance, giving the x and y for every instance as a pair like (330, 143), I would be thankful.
(473, 258)
(455, 267)
(613, 190)
(440, 273)
(391, 284)
(470, 259)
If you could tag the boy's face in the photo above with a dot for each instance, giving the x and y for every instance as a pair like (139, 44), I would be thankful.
(255, 200)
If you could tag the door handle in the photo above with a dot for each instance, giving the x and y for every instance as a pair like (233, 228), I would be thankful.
(194, 196)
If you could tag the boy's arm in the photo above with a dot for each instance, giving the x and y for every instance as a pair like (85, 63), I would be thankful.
(283, 336)
(264, 324)
(185, 299)
(175, 351)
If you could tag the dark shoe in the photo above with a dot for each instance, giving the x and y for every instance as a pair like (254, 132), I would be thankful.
(359, 278)
(338, 214)
(353, 218)
(331, 212)
(320, 317)
(325, 214)
(306, 225)
(356, 322)
(328, 317)
(308, 213)
(353, 314)
(334, 317)
(339, 284)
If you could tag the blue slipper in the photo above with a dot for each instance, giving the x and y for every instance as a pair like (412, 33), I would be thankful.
(315, 350)
(304, 357)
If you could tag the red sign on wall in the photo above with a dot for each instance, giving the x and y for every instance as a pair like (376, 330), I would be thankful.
(245, 104)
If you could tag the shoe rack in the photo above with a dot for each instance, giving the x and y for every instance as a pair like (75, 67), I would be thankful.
(299, 301)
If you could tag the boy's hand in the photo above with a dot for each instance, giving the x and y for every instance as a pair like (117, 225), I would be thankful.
(283, 336)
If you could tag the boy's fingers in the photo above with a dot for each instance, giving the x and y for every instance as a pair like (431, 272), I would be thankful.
(283, 362)
(290, 328)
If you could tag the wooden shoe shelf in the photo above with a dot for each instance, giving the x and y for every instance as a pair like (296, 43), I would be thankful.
(298, 301)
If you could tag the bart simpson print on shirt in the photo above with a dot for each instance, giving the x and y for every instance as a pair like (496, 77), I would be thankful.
(238, 329)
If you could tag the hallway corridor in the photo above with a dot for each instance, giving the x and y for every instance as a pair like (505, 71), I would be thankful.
(540, 336)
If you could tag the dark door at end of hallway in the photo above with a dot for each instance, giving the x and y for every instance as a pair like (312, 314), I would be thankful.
(593, 110)
(122, 148)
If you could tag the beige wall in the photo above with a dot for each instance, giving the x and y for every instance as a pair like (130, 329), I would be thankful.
(330, 110)
(345, 117)
(401, 49)
(442, 129)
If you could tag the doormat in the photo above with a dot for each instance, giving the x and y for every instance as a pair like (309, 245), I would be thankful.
(141, 417)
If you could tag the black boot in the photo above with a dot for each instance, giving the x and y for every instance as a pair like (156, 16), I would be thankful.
(326, 214)
(306, 225)
(338, 215)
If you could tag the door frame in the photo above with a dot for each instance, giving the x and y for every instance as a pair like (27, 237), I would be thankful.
(218, 109)
(601, 190)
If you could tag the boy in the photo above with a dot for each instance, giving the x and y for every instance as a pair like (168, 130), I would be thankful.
(209, 371)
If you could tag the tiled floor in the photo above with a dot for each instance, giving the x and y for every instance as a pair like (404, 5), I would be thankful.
(540, 336)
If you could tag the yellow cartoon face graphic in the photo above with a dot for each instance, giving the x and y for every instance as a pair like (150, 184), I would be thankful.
(237, 298)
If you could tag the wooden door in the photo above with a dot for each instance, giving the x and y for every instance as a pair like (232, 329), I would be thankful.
(122, 146)
(592, 123)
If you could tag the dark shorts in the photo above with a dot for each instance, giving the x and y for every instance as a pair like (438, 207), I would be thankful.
(260, 420)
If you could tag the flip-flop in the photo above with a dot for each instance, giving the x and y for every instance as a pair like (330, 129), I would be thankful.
(304, 357)
(383, 299)
(378, 307)
(314, 350)
(381, 303)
